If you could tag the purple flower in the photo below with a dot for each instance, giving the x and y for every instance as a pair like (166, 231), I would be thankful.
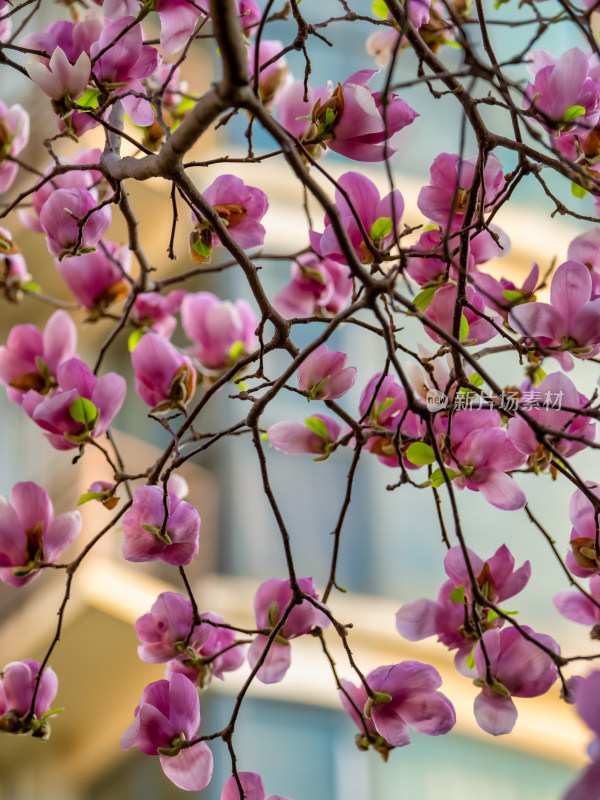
(271, 600)
(98, 279)
(31, 358)
(14, 135)
(220, 332)
(252, 785)
(17, 685)
(352, 123)
(155, 311)
(61, 217)
(123, 64)
(164, 379)
(446, 198)
(250, 14)
(177, 19)
(575, 606)
(318, 286)
(379, 217)
(496, 577)
(29, 533)
(586, 249)
(294, 114)
(570, 323)
(166, 626)
(167, 717)
(145, 539)
(587, 694)
(518, 668)
(323, 376)
(502, 295)
(581, 559)
(271, 79)
(475, 329)
(58, 78)
(83, 406)
(405, 695)
(318, 434)
(241, 208)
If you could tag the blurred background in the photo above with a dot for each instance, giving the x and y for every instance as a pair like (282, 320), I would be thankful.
(294, 733)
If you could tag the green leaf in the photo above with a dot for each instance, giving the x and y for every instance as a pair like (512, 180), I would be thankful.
(134, 338)
(470, 660)
(87, 496)
(84, 411)
(538, 376)
(458, 595)
(89, 98)
(381, 228)
(437, 477)
(578, 191)
(573, 112)
(512, 295)
(236, 350)
(382, 406)
(317, 425)
(464, 328)
(380, 9)
(476, 380)
(201, 248)
(424, 298)
(420, 453)
(329, 117)
(32, 287)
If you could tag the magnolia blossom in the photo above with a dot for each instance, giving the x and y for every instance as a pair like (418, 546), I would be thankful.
(582, 559)
(518, 668)
(353, 122)
(318, 286)
(61, 217)
(323, 376)
(446, 198)
(503, 295)
(241, 208)
(220, 331)
(271, 78)
(31, 357)
(271, 601)
(14, 135)
(569, 325)
(177, 19)
(167, 717)
(151, 532)
(164, 378)
(380, 218)
(122, 65)
(295, 114)
(30, 534)
(5, 24)
(98, 279)
(250, 15)
(404, 695)
(474, 329)
(318, 435)
(586, 249)
(575, 606)
(587, 694)
(383, 42)
(252, 786)
(17, 685)
(59, 79)
(155, 311)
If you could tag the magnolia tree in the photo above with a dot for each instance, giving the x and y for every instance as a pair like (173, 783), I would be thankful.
(437, 417)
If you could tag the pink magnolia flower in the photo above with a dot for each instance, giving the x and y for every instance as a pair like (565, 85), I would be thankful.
(29, 533)
(155, 311)
(124, 63)
(318, 286)
(587, 693)
(559, 86)
(318, 435)
(98, 279)
(73, 179)
(482, 455)
(496, 577)
(250, 15)
(558, 394)
(241, 208)
(581, 559)
(252, 785)
(14, 135)
(272, 78)
(30, 359)
(518, 667)
(61, 216)
(586, 249)
(271, 600)
(167, 717)
(145, 539)
(17, 685)
(446, 198)
(164, 378)
(58, 78)
(5, 24)
(82, 406)
(323, 376)
(405, 695)
(295, 114)
(503, 295)
(177, 19)
(575, 606)
(73, 38)
(379, 217)
(353, 123)
(475, 329)
(382, 43)
(220, 331)
(569, 324)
